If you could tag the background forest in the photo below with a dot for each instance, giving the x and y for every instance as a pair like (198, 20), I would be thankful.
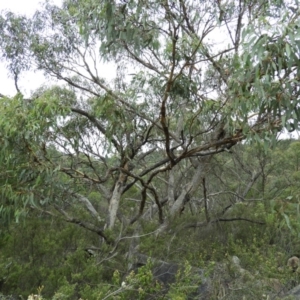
(171, 181)
(253, 212)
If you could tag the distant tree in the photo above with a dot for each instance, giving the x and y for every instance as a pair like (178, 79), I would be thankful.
(192, 79)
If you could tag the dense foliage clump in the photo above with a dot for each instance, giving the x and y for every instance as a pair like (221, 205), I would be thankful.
(176, 159)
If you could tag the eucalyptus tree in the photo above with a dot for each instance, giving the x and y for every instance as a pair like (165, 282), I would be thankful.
(191, 80)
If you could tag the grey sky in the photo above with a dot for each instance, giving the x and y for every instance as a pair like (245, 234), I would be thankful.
(24, 7)
(29, 81)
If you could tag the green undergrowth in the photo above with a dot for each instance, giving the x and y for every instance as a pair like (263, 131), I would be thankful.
(47, 253)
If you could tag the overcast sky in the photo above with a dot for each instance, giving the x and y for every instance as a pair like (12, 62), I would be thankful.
(29, 82)
(27, 7)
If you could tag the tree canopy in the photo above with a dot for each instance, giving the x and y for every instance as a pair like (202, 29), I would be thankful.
(192, 80)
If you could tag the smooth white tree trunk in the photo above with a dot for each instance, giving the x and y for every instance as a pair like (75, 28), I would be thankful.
(115, 200)
(191, 187)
